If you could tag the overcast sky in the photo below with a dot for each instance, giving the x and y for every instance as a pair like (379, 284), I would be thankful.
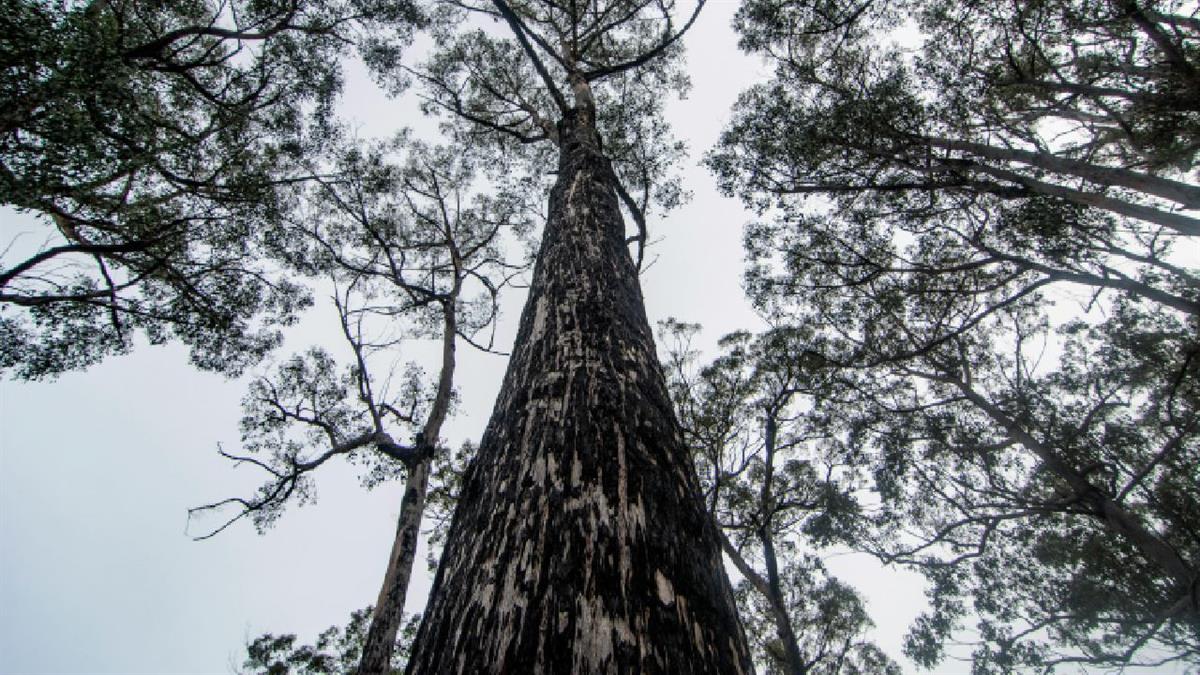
(98, 469)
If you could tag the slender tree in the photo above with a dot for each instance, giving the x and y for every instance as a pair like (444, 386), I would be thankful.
(412, 252)
(777, 495)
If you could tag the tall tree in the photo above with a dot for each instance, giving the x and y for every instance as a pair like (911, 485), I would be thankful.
(185, 75)
(150, 141)
(580, 542)
(1038, 464)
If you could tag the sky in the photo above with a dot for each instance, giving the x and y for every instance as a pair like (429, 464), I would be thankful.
(98, 573)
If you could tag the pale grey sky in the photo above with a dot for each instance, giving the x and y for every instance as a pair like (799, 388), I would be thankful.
(98, 469)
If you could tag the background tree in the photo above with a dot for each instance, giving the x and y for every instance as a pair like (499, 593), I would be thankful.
(340, 649)
(777, 495)
(150, 140)
(1062, 99)
(336, 650)
(1038, 464)
(413, 251)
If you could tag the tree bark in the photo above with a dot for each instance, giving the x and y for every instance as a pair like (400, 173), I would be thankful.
(580, 543)
(389, 608)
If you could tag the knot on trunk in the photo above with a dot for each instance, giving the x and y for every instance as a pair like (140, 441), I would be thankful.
(577, 134)
(404, 453)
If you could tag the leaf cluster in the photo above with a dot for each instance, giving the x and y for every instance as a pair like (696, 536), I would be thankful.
(336, 651)
(151, 141)
(413, 250)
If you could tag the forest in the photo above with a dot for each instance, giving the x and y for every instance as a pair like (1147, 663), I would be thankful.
(647, 336)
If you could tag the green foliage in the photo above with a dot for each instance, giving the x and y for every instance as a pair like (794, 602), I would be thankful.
(150, 141)
(414, 250)
(1007, 346)
(336, 651)
(413, 220)
(618, 57)
(446, 478)
(828, 617)
(778, 491)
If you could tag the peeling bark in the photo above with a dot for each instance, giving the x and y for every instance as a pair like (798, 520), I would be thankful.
(580, 543)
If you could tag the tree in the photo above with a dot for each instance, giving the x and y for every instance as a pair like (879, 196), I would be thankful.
(1036, 463)
(336, 650)
(412, 251)
(340, 649)
(151, 141)
(776, 496)
(579, 541)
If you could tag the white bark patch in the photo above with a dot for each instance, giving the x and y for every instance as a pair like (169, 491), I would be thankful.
(624, 516)
(594, 637)
(637, 516)
(666, 592)
(539, 319)
(566, 399)
(539, 470)
(483, 596)
(593, 499)
(574, 208)
(576, 471)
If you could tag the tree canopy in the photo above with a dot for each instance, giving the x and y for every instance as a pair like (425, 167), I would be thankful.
(999, 282)
(150, 141)
(776, 497)
(412, 249)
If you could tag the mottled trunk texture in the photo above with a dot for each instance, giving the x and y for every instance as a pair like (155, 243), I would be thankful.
(580, 543)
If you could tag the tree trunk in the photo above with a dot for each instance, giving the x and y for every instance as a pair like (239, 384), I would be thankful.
(766, 505)
(580, 543)
(1182, 224)
(389, 608)
(783, 623)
